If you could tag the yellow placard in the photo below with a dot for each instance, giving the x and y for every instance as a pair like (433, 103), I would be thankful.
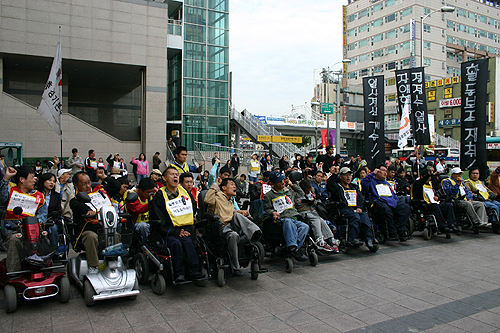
(426, 85)
(431, 95)
(492, 112)
(432, 84)
(292, 139)
(448, 92)
(447, 80)
(455, 79)
(264, 138)
(440, 82)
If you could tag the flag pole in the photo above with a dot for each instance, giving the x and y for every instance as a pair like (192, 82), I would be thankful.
(60, 114)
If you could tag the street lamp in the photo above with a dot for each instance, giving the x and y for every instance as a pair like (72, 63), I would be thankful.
(337, 116)
(444, 9)
(316, 105)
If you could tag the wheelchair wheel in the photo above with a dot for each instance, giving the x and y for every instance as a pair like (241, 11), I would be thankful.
(381, 236)
(476, 230)
(141, 266)
(426, 233)
(221, 277)
(343, 246)
(88, 293)
(254, 270)
(411, 222)
(374, 248)
(136, 287)
(158, 284)
(276, 252)
(202, 283)
(448, 236)
(288, 265)
(262, 251)
(64, 290)
(10, 298)
(313, 258)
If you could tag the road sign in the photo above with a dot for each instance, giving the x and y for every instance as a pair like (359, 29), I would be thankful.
(264, 138)
(292, 139)
(327, 108)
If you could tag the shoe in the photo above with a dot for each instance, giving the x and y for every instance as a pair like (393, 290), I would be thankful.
(299, 256)
(445, 230)
(335, 248)
(402, 236)
(369, 244)
(482, 224)
(197, 276)
(93, 270)
(180, 279)
(323, 246)
(355, 243)
(393, 237)
(292, 248)
(455, 229)
(236, 272)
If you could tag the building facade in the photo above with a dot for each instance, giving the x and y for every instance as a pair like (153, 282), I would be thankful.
(381, 36)
(134, 73)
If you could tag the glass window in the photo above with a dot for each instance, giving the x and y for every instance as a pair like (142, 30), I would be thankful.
(482, 18)
(195, 51)
(364, 42)
(378, 69)
(364, 57)
(194, 124)
(218, 54)
(472, 16)
(377, 38)
(450, 55)
(194, 87)
(194, 105)
(492, 50)
(391, 34)
(218, 20)
(378, 7)
(427, 62)
(391, 49)
(363, 13)
(481, 47)
(389, 3)
(353, 75)
(217, 89)
(450, 71)
(450, 40)
(351, 18)
(217, 125)
(462, 27)
(405, 62)
(482, 33)
(364, 27)
(218, 36)
(378, 23)
(378, 53)
(427, 28)
(197, 3)
(352, 46)
(450, 24)
(194, 33)
(392, 65)
(459, 57)
(352, 32)
(427, 45)
(195, 69)
(390, 18)
(491, 21)
(406, 12)
(217, 107)
(195, 15)
(472, 30)
(460, 42)
(364, 72)
(461, 12)
(221, 5)
(217, 71)
(492, 35)
(405, 45)
(405, 29)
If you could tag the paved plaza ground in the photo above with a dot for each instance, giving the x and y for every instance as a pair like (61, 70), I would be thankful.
(419, 286)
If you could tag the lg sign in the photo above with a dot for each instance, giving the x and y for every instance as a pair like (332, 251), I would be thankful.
(450, 102)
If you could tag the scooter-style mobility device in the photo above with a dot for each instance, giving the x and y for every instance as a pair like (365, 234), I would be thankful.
(113, 280)
(37, 278)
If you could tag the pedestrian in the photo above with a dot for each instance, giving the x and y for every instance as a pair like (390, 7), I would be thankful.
(75, 162)
(91, 166)
(142, 167)
(156, 160)
(235, 165)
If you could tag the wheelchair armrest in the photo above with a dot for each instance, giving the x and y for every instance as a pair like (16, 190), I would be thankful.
(211, 216)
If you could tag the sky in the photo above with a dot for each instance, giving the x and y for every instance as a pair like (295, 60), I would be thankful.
(275, 47)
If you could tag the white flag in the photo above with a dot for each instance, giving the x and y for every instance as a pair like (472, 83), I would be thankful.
(50, 107)
(405, 126)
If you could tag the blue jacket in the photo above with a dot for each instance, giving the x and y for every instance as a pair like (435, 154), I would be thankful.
(369, 184)
(451, 187)
(321, 191)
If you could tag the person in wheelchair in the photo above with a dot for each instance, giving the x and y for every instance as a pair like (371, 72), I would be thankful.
(279, 202)
(349, 200)
(172, 206)
(423, 190)
(139, 209)
(482, 193)
(235, 223)
(306, 206)
(402, 186)
(456, 188)
(386, 203)
(23, 194)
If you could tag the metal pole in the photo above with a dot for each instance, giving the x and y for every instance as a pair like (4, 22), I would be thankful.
(421, 41)
(316, 140)
(337, 119)
(328, 114)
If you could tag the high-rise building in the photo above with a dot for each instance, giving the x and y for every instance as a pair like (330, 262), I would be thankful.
(382, 36)
(135, 72)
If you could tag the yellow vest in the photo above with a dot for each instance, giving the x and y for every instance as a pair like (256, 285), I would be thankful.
(254, 165)
(179, 209)
(426, 198)
(185, 167)
(453, 183)
(144, 217)
(475, 184)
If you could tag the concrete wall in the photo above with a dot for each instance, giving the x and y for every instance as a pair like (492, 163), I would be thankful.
(100, 30)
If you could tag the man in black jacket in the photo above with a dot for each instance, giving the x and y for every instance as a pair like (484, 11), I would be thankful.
(172, 206)
(235, 165)
(350, 203)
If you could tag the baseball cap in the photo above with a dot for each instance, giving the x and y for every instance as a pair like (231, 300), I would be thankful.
(115, 171)
(456, 170)
(156, 172)
(62, 172)
(345, 170)
(276, 177)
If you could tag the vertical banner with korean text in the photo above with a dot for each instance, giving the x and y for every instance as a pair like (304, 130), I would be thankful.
(373, 94)
(474, 100)
(333, 139)
(324, 138)
(410, 84)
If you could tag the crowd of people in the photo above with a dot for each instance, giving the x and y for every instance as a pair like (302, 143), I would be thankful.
(299, 194)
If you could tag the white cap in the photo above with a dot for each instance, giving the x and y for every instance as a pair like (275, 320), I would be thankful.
(456, 170)
(62, 172)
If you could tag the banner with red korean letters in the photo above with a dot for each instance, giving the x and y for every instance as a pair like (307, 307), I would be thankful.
(473, 132)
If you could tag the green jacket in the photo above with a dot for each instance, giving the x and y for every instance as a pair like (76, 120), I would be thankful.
(287, 196)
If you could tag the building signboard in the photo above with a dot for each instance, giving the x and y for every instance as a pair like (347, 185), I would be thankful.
(450, 102)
